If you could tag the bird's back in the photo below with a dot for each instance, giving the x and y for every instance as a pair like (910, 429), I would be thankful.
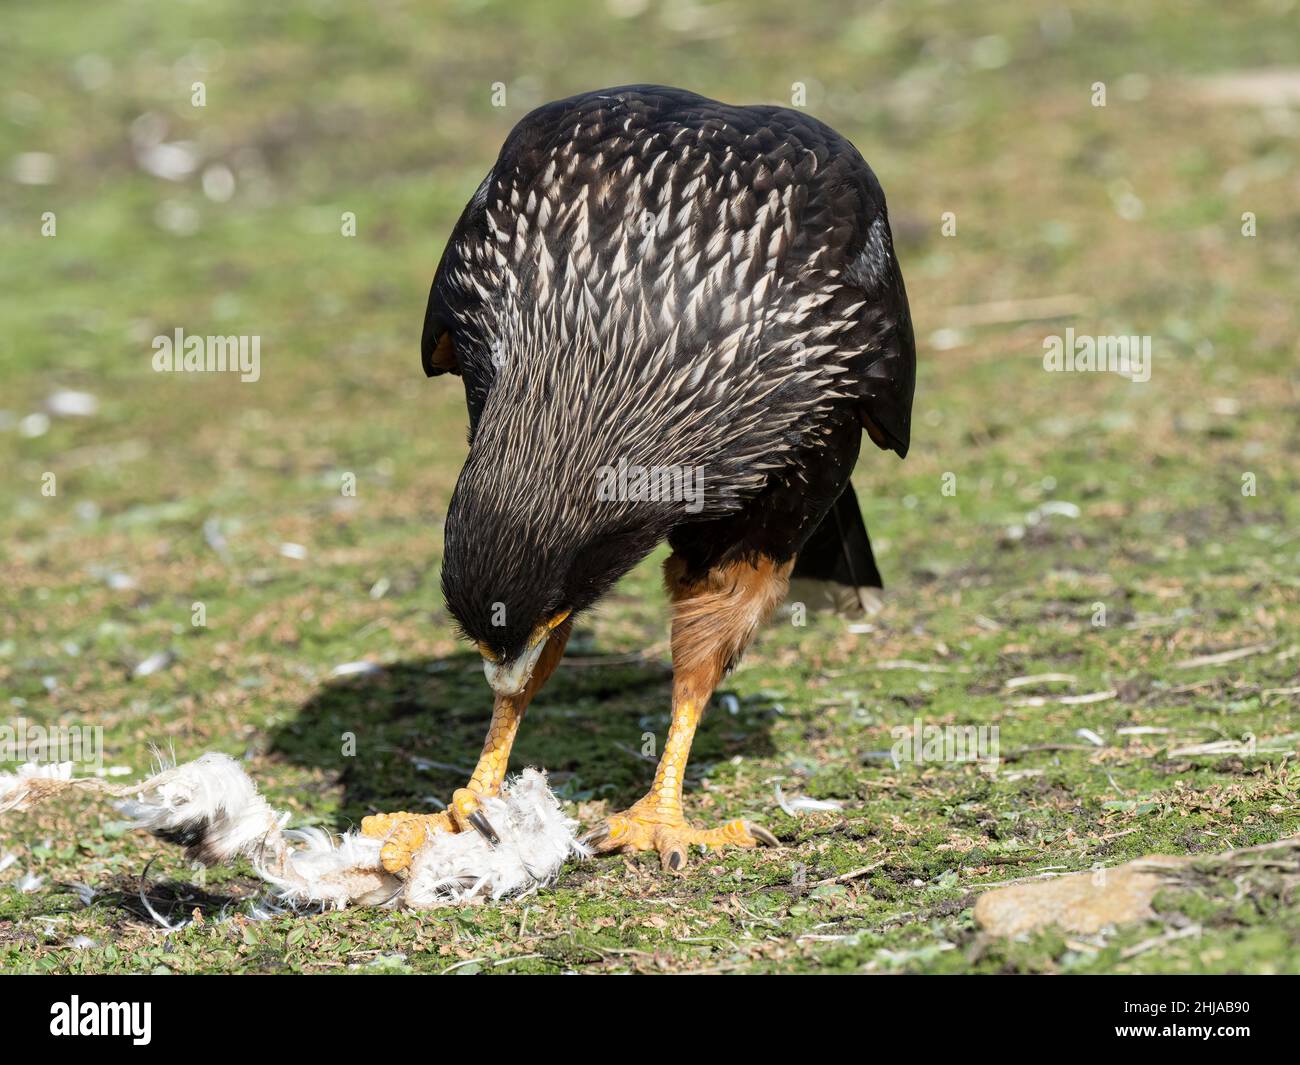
(652, 276)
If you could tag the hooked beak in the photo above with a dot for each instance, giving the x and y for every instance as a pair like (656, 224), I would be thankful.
(511, 678)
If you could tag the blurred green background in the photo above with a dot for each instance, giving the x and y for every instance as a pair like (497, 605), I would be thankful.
(179, 489)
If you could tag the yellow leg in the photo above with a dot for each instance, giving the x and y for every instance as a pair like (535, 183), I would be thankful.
(657, 822)
(713, 622)
(405, 833)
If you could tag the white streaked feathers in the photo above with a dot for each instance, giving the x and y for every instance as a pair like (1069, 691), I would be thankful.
(661, 343)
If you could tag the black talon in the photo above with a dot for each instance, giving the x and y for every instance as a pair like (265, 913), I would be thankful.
(484, 827)
(597, 835)
(763, 836)
(675, 860)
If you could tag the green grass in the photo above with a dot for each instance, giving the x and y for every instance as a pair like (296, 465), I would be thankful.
(385, 111)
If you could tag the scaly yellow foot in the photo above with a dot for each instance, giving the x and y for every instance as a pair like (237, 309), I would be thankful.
(646, 827)
(405, 833)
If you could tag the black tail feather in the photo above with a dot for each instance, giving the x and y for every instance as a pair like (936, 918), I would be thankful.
(837, 561)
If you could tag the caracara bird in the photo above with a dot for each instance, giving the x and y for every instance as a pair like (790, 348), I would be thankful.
(674, 318)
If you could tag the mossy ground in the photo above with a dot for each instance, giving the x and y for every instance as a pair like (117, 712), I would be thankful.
(182, 489)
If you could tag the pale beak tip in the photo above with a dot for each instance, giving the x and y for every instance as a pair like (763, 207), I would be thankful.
(511, 677)
(499, 680)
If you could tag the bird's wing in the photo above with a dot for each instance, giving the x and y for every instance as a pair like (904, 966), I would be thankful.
(883, 368)
(439, 351)
(852, 276)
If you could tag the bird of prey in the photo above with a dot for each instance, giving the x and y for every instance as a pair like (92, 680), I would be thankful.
(674, 319)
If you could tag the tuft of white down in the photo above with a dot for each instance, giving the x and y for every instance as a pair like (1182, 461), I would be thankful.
(536, 839)
(209, 805)
(338, 872)
(213, 809)
(15, 787)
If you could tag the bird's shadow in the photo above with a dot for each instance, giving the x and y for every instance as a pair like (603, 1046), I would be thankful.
(404, 737)
(173, 900)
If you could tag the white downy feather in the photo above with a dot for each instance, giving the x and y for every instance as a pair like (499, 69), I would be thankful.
(212, 808)
(536, 839)
(15, 787)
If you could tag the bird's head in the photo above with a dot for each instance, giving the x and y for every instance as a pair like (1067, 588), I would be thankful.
(522, 559)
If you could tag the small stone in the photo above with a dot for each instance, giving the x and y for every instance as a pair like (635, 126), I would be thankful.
(1079, 902)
